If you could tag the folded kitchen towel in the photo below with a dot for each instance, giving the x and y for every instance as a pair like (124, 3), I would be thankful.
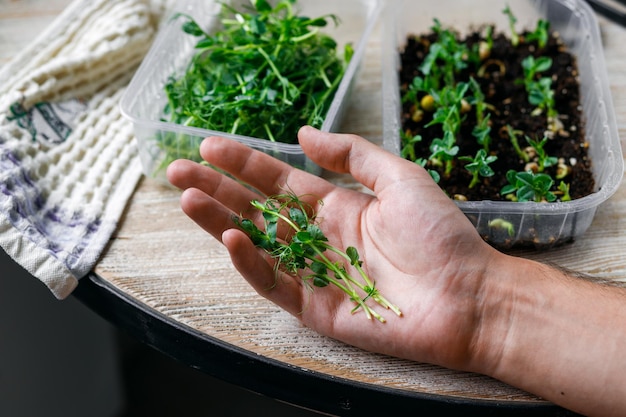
(68, 159)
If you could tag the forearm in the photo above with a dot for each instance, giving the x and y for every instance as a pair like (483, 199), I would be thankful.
(554, 335)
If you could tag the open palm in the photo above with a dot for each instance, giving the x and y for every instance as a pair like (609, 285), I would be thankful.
(423, 253)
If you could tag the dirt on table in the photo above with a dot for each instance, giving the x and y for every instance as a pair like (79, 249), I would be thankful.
(499, 77)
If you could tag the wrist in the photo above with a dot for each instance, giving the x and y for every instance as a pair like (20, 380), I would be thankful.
(543, 330)
(510, 299)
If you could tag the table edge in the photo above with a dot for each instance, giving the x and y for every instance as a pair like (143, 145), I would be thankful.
(275, 379)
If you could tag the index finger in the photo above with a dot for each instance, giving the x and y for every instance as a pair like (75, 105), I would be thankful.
(367, 162)
(265, 173)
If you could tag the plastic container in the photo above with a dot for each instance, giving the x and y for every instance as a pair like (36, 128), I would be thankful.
(144, 100)
(539, 225)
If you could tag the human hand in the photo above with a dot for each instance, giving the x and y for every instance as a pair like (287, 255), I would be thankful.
(424, 254)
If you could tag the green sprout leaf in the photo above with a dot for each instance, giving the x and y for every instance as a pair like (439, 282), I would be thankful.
(478, 166)
(541, 34)
(529, 186)
(307, 249)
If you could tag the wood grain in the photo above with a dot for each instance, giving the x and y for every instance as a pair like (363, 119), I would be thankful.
(159, 257)
(162, 259)
(22, 21)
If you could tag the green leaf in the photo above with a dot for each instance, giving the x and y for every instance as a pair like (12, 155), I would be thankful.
(192, 28)
(257, 26)
(508, 189)
(296, 249)
(319, 22)
(298, 217)
(348, 52)
(318, 267)
(303, 237)
(205, 43)
(511, 176)
(525, 193)
(316, 233)
(543, 64)
(261, 6)
(485, 171)
(271, 228)
(353, 254)
(320, 281)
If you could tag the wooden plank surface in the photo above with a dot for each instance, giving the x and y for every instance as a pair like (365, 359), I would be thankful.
(22, 20)
(162, 259)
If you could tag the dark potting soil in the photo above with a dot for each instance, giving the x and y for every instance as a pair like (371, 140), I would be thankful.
(509, 105)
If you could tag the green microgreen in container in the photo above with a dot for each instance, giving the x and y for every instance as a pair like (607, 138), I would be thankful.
(266, 72)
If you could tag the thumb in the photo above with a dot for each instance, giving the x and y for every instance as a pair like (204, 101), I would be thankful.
(368, 163)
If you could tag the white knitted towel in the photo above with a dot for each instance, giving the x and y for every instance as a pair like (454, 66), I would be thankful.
(68, 160)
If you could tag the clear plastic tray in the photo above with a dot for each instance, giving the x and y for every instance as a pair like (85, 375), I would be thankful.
(539, 225)
(144, 100)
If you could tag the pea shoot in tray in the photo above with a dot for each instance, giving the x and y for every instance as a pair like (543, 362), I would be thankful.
(503, 112)
(496, 117)
(248, 70)
(265, 74)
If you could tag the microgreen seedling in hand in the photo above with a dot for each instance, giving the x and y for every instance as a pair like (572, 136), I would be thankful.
(305, 252)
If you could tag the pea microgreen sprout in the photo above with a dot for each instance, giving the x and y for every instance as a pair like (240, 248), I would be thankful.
(446, 57)
(532, 67)
(513, 138)
(483, 127)
(564, 191)
(543, 160)
(542, 96)
(482, 133)
(529, 186)
(264, 74)
(419, 87)
(408, 152)
(478, 166)
(478, 100)
(502, 225)
(539, 91)
(449, 103)
(408, 145)
(443, 152)
(305, 252)
(541, 34)
(485, 46)
(512, 21)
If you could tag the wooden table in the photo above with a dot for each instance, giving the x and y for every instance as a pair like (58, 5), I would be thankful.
(173, 286)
